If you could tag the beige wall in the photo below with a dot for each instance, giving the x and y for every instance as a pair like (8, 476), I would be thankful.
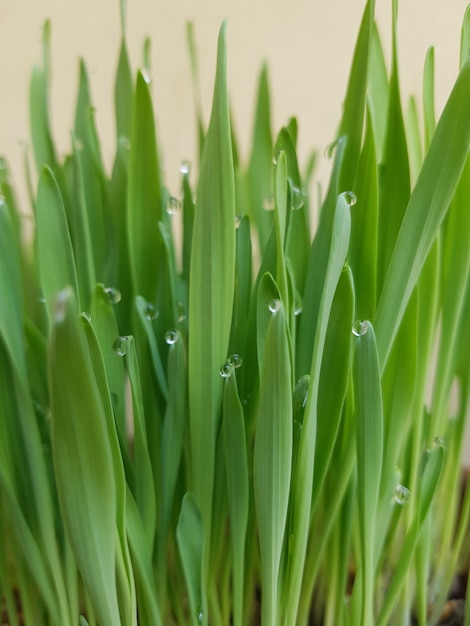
(307, 44)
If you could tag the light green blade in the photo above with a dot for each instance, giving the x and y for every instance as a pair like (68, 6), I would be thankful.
(211, 289)
(83, 460)
(426, 209)
(273, 456)
(54, 246)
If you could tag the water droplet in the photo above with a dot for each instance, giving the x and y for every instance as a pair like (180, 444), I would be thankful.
(297, 199)
(268, 203)
(238, 221)
(200, 616)
(60, 306)
(235, 360)
(402, 495)
(438, 442)
(124, 142)
(120, 345)
(274, 305)
(113, 294)
(226, 370)
(151, 312)
(146, 75)
(359, 328)
(2, 200)
(86, 316)
(277, 156)
(185, 167)
(174, 206)
(171, 337)
(297, 311)
(350, 197)
(181, 311)
(42, 300)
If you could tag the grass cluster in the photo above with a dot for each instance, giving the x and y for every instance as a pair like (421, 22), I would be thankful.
(194, 433)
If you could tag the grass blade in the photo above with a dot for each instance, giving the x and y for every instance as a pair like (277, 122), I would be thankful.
(272, 458)
(211, 289)
(426, 209)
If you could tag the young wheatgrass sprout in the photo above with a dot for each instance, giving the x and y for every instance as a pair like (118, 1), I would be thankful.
(238, 431)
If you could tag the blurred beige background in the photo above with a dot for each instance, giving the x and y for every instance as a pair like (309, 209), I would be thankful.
(307, 44)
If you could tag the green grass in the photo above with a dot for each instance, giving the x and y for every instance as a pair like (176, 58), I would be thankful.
(235, 422)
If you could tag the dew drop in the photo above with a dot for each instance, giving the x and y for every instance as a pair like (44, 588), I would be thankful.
(402, 495)
(2, 200)
(120, 345)
(350, 197)
(171, 337)
(297, 199)
(238, 221)
(235, 360)
(60, 306)
(226, 370)
(438, 442)
(359, 328)
(151, 312)
(200, 616)
(113, 295)
(86, 316)
(277, 156)
(146, 75)
(174, 206)
(268, 203)
(124, 142)
(297, 311)
(185, 167)
(181, 311)
(275, 305)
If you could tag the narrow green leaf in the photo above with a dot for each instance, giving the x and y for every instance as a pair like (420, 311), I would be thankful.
(272, 458)
(11, 322)
(303, 478)
(54, 246)
(259, 175)
(190, 539)
(211, 289)
(43, 146)
(426, 209)
(369, 450)
(144, 195)
(237, 487)
(83, 459)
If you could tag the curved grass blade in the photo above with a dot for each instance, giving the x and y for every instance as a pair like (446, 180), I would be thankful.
(334, 377)
(272, 460)
(211, 290)
(426, 209)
